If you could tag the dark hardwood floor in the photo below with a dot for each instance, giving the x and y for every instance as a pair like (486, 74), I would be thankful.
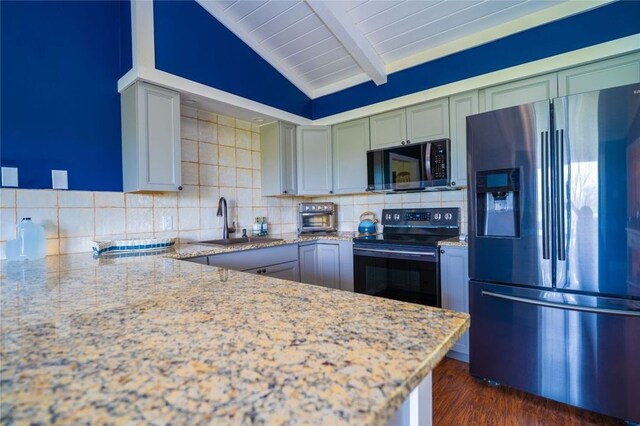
(459, 399)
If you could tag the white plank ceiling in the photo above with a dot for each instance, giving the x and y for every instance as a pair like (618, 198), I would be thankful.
(324, 46)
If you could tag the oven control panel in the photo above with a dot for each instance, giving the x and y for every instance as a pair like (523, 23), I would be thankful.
(445, 217)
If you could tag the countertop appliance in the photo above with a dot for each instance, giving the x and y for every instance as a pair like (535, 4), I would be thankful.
(409, 167)
(554, 277)
(402, 262)
(317, 217)
(368, 224)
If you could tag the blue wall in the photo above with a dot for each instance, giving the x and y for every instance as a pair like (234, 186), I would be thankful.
(606, 23)
(60, 108)
(193, 44)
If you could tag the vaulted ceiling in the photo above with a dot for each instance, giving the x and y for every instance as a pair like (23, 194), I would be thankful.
(325, 46)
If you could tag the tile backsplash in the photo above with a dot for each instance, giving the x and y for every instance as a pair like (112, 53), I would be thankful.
(220, 157)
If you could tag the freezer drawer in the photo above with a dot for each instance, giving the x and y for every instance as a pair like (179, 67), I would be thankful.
(521, 338)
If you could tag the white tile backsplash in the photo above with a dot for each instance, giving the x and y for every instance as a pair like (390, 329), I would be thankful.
(221, 157)
(76, 222)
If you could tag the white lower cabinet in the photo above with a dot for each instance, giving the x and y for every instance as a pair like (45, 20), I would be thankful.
(454, 273)
(286, 271)
(327, 264)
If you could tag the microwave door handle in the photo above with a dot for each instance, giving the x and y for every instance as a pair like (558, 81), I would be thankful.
(427, 162)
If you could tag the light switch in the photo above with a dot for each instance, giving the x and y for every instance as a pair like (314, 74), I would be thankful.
(10, 176)
(59, 179)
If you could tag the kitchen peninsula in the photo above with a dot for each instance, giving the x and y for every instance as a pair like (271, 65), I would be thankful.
(151, 338)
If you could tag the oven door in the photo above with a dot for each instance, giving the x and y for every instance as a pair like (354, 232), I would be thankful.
(397, 272)
(323, 221)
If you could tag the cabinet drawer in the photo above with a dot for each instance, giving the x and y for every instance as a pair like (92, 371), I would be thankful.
(255, 258)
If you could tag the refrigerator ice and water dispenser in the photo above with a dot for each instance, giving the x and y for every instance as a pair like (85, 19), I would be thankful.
(498, 203)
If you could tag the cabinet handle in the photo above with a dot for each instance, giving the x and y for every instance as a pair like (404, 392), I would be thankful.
(180, 188)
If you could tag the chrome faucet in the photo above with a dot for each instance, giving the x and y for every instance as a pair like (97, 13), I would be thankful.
(222, 212)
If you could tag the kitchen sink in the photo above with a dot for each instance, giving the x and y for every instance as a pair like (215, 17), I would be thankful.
(232, 241)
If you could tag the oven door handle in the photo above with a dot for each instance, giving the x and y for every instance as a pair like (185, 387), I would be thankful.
(379, 252)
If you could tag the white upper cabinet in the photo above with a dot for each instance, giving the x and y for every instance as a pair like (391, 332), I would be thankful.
(150, 138)
(418, 123)
(278, 159)
(426, 122)
(600, 75)
(462, 106)
(388, 129)
(315, 175)
(519, 92)
(350, 145)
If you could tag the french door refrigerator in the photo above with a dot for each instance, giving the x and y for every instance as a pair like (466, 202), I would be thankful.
(554, 249)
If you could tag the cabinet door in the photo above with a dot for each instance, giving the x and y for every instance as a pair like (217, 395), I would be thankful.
(150, 139)
(388, 129)
(329, 265)
(255, 258)
(308, 258)
(600, 75)
(285, 271)
(454, 274)
(350, 146)
(519, 92)
(462, 105)
(314, 160)
(288, 152)
(428, 121)
(271, 159)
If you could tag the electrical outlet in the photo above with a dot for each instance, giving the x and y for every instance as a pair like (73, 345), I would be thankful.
(10, 176)
(59, 179)
(167, 223)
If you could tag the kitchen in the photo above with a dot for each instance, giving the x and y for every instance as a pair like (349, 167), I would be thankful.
(223, 153)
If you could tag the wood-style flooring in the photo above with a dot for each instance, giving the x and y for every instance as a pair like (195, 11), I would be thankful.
(460, 399)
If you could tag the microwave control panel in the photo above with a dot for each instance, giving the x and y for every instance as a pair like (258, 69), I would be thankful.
(439, 160)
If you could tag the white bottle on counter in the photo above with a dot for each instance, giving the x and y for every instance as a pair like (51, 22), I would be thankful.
(257, 228)
(33, 244)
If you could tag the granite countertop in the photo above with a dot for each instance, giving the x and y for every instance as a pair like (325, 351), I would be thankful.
(153, 339)
(184, 251)
(453, 242)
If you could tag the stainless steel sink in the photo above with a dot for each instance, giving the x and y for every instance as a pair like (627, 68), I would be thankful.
(232, 241)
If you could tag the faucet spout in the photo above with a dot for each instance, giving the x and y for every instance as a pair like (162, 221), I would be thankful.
(222, 212)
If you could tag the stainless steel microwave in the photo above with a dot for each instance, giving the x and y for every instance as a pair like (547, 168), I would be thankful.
(410, 167)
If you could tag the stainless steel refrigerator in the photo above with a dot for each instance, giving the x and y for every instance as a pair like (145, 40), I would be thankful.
(554, 249)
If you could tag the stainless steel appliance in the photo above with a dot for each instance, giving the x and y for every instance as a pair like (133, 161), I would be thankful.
(317, 217)
(410, 167)
(402, 262)
(555, 282)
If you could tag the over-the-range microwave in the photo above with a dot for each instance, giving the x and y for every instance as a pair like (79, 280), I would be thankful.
(410, 167)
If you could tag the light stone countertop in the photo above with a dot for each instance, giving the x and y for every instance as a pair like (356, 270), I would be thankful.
(453, 242)
(154, 339)
(184, 251)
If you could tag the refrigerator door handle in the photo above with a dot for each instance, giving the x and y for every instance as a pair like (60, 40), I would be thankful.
(536, 302)
(560, 201)
(546, 199)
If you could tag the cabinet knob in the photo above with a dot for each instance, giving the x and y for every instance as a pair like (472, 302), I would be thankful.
(180, 188)
(264, 271)
(442, 251)
(408, 141)
(453, 183)
(403, 142)
(330, 192)
(284, 192)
